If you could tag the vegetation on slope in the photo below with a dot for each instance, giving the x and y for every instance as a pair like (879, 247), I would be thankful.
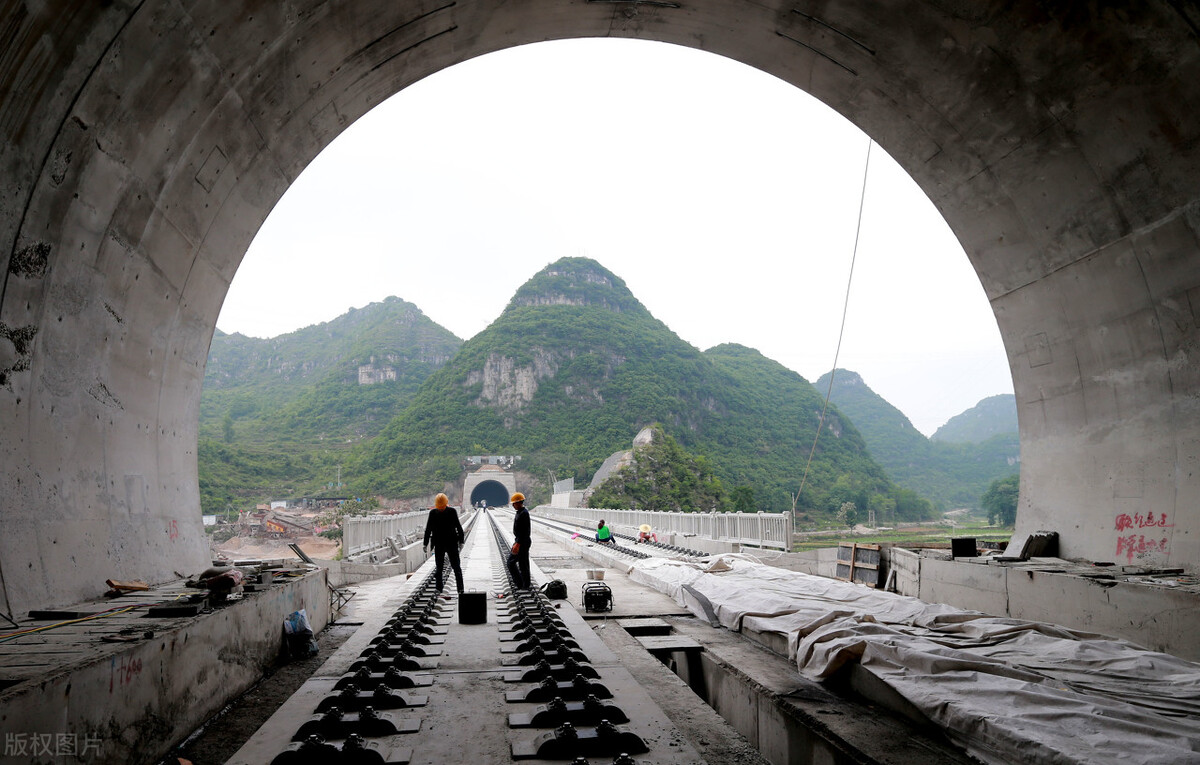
(950, 474)
(991, 417)
(663, 477)
(277, 416)
(305, 384)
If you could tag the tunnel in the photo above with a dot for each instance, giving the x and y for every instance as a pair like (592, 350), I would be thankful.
(492, 492)
(144, 143)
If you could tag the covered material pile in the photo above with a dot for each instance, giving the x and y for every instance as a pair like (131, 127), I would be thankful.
(1006, 690)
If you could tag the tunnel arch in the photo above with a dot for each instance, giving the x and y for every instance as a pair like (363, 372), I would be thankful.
(143, 144)
(494, 493)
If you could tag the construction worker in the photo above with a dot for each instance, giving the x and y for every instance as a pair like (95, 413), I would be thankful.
(604, 534)
(518, 559)
(447, 535)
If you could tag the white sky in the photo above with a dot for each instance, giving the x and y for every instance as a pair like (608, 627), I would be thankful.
(726, 199)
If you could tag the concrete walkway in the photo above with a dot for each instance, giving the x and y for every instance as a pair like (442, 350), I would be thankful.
(463, 715)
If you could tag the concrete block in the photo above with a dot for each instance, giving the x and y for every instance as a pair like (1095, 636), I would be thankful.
(906, 565)
(819, 562)
(733, 700)
(1156, 617)
(976, 588)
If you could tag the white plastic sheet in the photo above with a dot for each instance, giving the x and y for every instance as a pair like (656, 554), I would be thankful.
(1007, 690)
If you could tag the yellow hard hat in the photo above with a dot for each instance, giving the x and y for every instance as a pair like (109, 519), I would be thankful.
(441, 502)
(518, 497)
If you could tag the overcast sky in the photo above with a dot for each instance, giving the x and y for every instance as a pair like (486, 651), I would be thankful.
(726, 199)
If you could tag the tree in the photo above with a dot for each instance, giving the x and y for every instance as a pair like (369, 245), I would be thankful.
(743, 499)
(848, 514)
(227, 428)
(1000, 500)
(359, 506)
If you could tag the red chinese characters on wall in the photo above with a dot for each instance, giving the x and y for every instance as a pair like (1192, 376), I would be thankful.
(1137, 520)
(1137, 545)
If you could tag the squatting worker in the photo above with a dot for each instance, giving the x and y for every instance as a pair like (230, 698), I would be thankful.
(518, 559)
(447, 535)
(604, 534)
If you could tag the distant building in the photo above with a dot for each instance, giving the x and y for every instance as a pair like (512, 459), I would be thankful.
(504, 461)
(279, 524)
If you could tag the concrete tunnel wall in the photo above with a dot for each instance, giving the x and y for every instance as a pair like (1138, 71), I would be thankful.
(143, 143)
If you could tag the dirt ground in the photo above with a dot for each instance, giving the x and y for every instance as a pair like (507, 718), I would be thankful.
(257, 548)
(219, 738)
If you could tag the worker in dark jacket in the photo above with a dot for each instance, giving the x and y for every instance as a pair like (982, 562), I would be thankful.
(446, 533)
(518, 559)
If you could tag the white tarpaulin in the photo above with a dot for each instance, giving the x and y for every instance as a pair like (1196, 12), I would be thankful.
(1007, 690)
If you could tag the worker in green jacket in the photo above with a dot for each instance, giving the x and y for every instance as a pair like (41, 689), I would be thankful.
(604, 534)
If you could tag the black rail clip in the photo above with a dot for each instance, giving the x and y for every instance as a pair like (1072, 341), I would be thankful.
(590, 711)
(354, 751)
(575, 690)
(335, 724)
(567, 742)
(383, 697)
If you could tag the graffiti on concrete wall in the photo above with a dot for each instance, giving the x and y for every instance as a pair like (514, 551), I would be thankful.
(1138, 535)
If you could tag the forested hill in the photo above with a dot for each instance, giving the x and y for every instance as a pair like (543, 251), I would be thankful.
(889, 434)
(575, 366)
(994, 416)
(341, 379)
(951, 474)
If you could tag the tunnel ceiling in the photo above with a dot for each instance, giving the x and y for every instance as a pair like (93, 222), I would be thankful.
(143, 143)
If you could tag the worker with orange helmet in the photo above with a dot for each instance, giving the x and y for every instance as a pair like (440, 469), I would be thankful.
(518, 559)
(447, 535)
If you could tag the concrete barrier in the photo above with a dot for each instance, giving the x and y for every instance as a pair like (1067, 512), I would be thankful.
(1156, 617)
(343, 573)
(820, 562)
(129, 703)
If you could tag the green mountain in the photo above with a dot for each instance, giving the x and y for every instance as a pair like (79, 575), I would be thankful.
(889, 434)
(278, 416)
(575, 366)
(952, 474)
(994, 416)
(343, 379)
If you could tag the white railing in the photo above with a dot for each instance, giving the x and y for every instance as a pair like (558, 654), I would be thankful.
(366, 533)
(370, 532)
(760, 529)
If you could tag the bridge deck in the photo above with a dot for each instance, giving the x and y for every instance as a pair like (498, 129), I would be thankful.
(463, 710)
(463, 706)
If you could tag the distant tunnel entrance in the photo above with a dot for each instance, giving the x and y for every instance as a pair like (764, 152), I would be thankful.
(492, 492)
